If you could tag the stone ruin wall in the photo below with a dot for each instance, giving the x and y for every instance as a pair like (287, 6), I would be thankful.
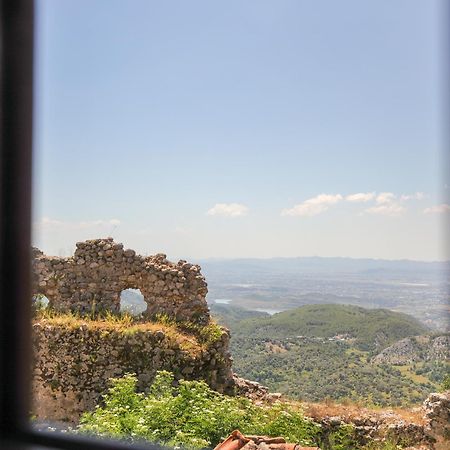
(73, 363)
(94, 277)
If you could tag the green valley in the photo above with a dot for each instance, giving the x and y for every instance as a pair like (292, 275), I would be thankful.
(317, 352)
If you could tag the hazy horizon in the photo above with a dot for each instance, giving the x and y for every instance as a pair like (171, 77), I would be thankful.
(67, 252)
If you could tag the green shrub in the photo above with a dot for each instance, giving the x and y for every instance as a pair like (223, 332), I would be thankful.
(446, 383)
(341, 439)
(190, 415)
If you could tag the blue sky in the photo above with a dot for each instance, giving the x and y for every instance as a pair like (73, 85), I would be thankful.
(235, 129)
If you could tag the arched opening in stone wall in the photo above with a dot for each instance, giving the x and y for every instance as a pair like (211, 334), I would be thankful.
(40, 301)
(132, 301)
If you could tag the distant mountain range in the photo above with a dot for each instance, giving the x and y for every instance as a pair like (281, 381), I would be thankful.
(317, 264)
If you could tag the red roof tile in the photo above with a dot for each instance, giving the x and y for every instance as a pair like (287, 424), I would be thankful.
(237, 441)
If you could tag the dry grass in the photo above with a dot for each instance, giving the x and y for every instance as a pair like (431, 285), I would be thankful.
(122, 324)
(349, 411)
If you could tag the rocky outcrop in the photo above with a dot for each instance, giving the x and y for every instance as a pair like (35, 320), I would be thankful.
(253, 390)
(415, 349)
(437, 414)
(93, 278)
(439, 348)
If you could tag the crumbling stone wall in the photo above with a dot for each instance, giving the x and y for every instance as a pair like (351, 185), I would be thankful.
(73, 359)
(425, 428)
(94, 277)
(73, 362)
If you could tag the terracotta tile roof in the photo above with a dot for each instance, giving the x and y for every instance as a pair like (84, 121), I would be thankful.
(237, 441)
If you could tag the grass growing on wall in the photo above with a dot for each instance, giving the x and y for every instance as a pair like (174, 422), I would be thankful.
(124, 324)
(188, 336)
(182, 331)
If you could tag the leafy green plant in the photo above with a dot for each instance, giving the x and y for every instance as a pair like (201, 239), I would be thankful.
(446, 383)
(286, 421)
(190, 415)
(207, 334)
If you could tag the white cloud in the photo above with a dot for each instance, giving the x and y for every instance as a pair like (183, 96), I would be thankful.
(313, 206)
(47, 223)
(385, 197)
(228, 210)
(386, 205)
(416, 196)
(387, 209)
(437, 209)
(360, 197)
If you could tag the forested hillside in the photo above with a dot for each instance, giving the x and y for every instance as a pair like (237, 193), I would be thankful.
(367, 329)
(326, 351)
